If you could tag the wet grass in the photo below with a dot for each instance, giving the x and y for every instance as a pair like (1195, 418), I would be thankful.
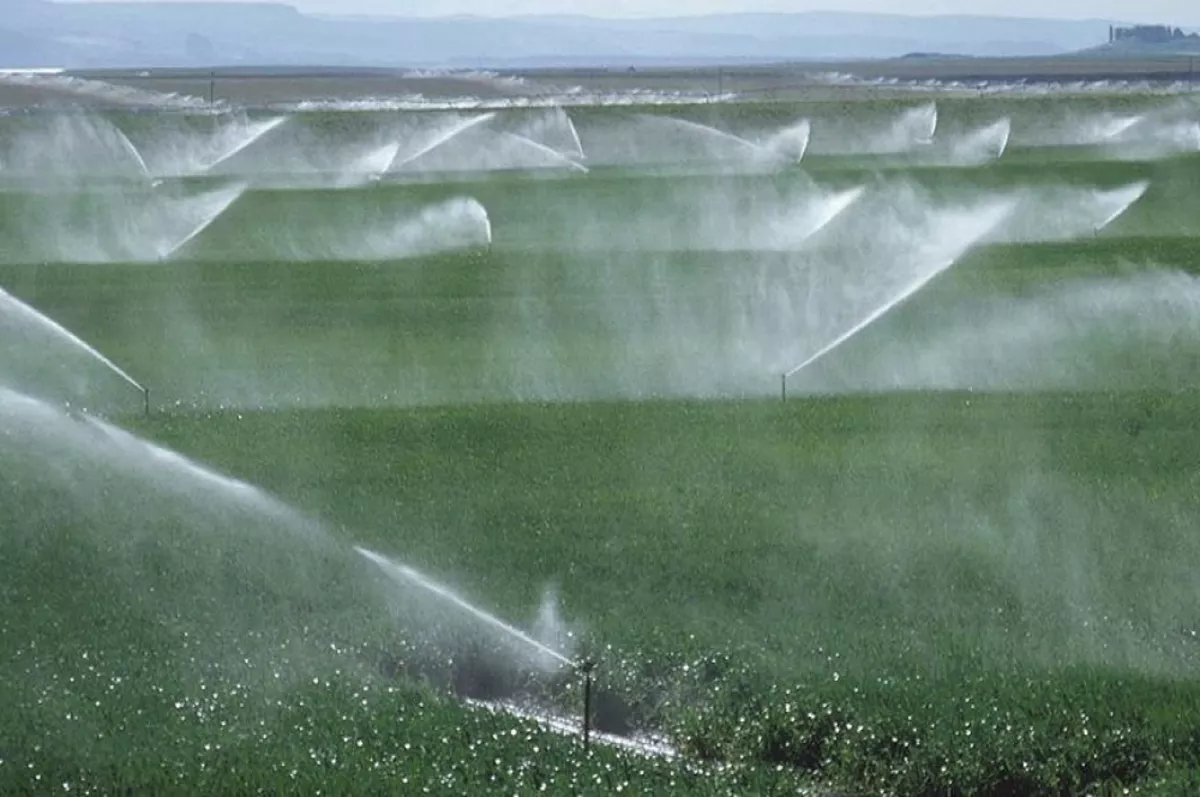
(846, 588)
(910, 594)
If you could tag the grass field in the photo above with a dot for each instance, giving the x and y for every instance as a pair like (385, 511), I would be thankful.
(959, 559)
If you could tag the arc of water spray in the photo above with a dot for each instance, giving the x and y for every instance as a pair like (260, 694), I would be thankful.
(981, 145)
(227, 198)
(377, 162)
(1120, 126)
(396, 570)
(1129, 194)
(487, 225)
(933, 125)
(574, 135)
(7, 300)
(834, 207)
(260, 130)
(173, 465)
(133, 151)
(1003, 128)
(542, 148)
(800, 132)
(458, 129)
(872, 317)
(687, 124)
(888, 306)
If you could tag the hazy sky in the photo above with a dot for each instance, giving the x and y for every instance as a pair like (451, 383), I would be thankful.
(1175, 12)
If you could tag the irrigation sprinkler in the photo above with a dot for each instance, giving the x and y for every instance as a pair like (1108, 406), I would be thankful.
(146, 397)
(588, 668)
(783, 387)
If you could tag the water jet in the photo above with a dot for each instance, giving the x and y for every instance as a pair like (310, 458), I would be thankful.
(10, 304)
(201, 211)
(992, 217)
(914, 129)
(1061, 213)
(71, 148)
(227, 149)
(791, 143)
(586, 667)
(404, 574)
(712, 133)
(441, 138)
(983, 145)
(577, 144)
(555, 157)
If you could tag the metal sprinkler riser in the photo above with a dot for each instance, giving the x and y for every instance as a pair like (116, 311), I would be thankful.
(588, 668)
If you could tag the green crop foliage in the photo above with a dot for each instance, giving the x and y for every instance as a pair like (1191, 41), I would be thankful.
(958, 560)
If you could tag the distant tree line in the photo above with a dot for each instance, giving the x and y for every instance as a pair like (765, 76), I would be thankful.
(1148, 34)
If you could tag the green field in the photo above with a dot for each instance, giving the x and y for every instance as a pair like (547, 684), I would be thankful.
(959, 559)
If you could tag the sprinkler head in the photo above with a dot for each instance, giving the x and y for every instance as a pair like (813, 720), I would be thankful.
(587, 667)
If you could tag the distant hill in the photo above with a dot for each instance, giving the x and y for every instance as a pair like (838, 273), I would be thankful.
(36, 33)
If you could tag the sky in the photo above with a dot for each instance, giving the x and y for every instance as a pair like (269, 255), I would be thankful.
(1174, 12)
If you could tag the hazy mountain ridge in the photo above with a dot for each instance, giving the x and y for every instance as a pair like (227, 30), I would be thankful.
(43, 34)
